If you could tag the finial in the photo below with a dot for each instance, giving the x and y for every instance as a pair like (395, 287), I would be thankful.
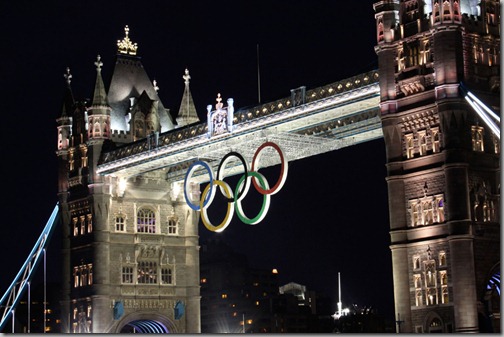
(98, 63)
(429, 251)
(219, 104)
(186, 77)
(68, 76)
(426, 189)
(154, 83)
(126, 46)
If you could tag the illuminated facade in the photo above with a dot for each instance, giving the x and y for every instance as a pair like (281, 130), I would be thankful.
(443, 162)
(130, 251)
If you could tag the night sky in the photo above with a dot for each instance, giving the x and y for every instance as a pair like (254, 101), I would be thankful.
(332, 214)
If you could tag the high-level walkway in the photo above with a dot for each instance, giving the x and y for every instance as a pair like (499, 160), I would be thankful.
(307, 123)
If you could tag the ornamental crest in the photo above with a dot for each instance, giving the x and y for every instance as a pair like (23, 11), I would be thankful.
(221, 119)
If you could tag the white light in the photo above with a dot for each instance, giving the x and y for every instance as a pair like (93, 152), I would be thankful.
(493, 127)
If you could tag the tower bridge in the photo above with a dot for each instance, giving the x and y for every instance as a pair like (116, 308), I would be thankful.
(305, 124)
(131, 251)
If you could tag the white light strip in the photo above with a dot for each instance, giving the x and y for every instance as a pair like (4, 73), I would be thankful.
(485, 118)
(481, 104)
(300, 110)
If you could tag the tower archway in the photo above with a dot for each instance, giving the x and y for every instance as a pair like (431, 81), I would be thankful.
(145, 323)
(144, 326)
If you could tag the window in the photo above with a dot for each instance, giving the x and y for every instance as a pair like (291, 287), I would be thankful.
(496, 143)
(127, 275)
(436, 147)
(416, 262)
(147, 272)
(75, 226)
(172, 226)
(477, 138)
(410, 148)
(427, 213)
(224, 296)
(423, 143)
(71, 160)
(89, 223)
(120, 225)
(442, 259)
(82, 224)
(84, 157)
(166, 276)
(83, 275)
(427, 210)
(146, 221)
(418, 297)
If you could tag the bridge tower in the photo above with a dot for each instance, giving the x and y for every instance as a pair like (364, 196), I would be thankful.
(130, 245)
(443, 162)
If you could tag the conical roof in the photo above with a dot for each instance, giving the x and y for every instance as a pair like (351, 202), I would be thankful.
(187, 113)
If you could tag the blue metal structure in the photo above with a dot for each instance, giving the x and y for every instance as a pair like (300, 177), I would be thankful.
(21, 282)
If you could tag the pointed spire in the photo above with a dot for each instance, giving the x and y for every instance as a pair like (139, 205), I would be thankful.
(187, 113)
(100, 96)
(68, 99)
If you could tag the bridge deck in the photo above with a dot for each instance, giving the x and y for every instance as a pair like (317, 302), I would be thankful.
(324, 119)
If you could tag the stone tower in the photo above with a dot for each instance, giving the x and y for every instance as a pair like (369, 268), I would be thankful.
(443, 162)
(130, 245)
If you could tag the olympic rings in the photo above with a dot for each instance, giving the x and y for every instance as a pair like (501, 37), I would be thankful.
(234, 200)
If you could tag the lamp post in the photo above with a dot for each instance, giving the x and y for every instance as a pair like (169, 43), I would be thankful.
(399, 322)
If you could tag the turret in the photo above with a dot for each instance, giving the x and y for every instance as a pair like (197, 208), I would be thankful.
(64, 122)
(187, 113)
(98, 116)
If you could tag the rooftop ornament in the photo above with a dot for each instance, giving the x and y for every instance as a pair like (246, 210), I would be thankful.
(126, 46)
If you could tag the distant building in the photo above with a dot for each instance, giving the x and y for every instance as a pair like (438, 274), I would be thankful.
(35, 312)
(233, 293)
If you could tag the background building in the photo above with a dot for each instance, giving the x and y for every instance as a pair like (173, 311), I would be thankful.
(233, 293)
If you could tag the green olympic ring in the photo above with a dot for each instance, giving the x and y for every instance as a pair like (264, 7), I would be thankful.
(235, 199)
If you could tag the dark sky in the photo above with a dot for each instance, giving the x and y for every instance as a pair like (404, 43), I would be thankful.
(332, 213)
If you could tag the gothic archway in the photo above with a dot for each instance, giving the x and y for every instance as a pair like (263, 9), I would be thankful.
(489, 317)
(144, 326)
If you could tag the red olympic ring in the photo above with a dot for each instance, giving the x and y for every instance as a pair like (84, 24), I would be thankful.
(234, 199)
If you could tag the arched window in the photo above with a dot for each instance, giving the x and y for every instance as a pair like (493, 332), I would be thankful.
(147, 272)
(146, 221)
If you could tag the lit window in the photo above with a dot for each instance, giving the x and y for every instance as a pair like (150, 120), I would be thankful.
(436, 146)
(496, 142)
(423, 143)
(256, 303)
(84, 158)
(410, 146)
(89, 223)
(71, 161)
(83, 275)
(147, 272)
(75, 226)
(418, 297)
(224, 295)
(82, 224)
(442, 258)
(427, 213)
(203, 280)
(146, 221)
(477, 138)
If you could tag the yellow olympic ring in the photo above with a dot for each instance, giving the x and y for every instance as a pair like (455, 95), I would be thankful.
(234, 200)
